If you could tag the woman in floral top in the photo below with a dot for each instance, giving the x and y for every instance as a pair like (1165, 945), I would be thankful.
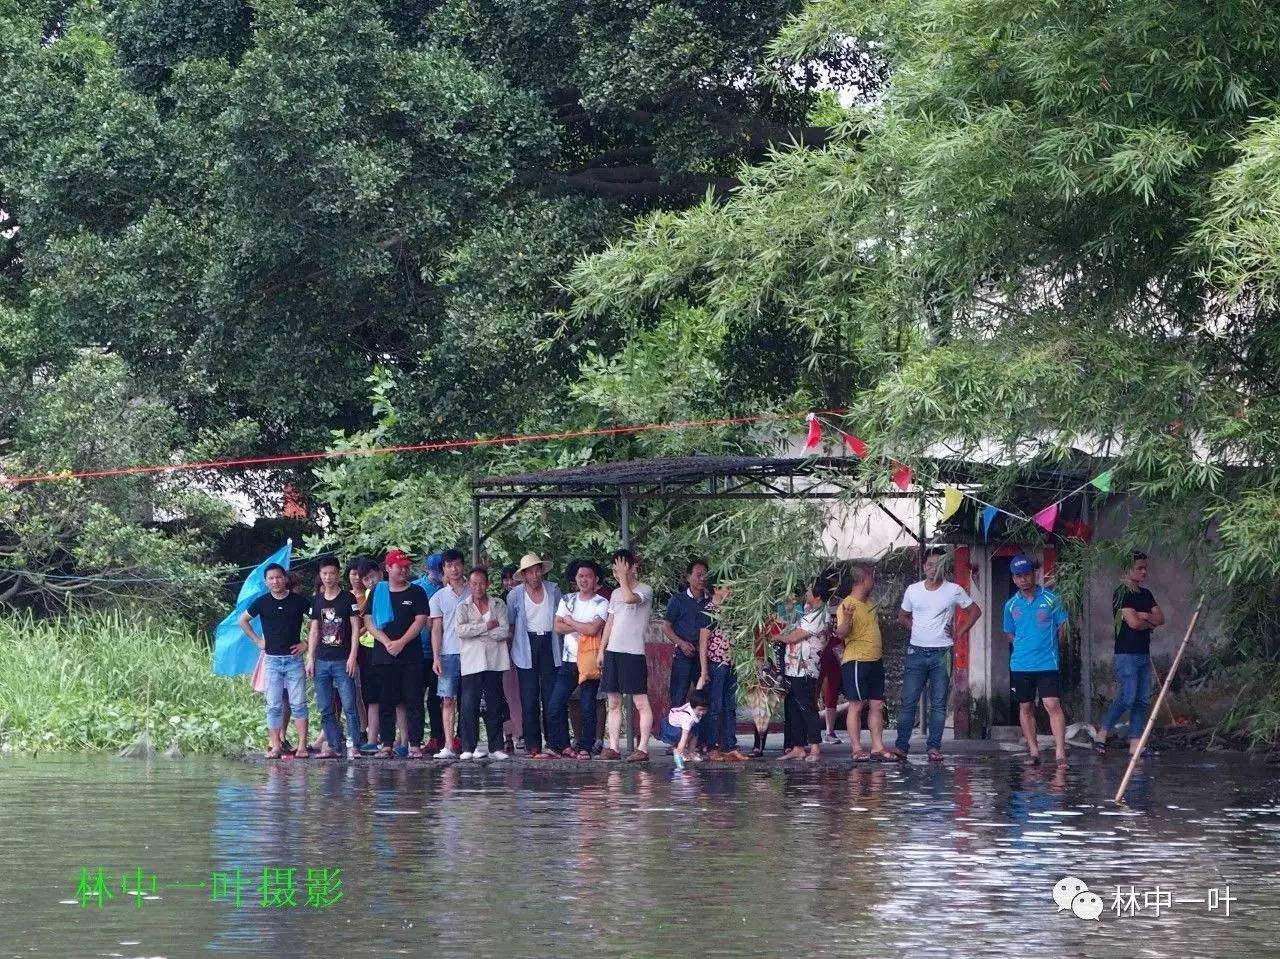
(718, 673)
(803, 652)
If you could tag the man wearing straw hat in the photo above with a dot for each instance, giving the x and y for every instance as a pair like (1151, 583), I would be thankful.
(535, 646)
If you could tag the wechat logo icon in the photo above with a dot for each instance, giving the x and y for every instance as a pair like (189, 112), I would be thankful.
(1073, 894)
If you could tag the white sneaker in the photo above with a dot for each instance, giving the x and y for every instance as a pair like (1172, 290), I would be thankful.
(466, 756)
(446, 753)
(498, 754)
(831, 739)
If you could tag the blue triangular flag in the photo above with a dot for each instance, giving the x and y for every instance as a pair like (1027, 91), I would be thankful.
(988, 514)
(233, 651)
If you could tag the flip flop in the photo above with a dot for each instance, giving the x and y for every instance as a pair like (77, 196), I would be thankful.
(885, 756)
(935, 755)
(861, 757)
(327, 754)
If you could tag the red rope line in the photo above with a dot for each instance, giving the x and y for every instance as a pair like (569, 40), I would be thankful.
(407, 448)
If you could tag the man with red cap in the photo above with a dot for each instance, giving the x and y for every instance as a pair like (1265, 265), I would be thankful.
(399, 613)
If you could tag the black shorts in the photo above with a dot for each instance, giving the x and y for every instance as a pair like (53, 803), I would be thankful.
(1048, 683)
(385, 684)
(625, 673)
(862, 680)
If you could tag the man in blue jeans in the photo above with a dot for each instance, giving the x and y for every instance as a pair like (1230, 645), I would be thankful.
(685, 619)
(935, 610)
(281, 613)
(1137, 614)
(331, 658)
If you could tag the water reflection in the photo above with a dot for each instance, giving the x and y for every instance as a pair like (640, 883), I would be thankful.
(519, 860)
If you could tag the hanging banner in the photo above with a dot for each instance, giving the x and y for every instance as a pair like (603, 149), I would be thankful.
(858, 447)
(902, 477)
(951, 500)
(814, 439)
(988, 516)
(1047, 517)
(1102, 482)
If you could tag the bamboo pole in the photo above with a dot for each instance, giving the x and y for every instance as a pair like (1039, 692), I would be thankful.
(1164, 688)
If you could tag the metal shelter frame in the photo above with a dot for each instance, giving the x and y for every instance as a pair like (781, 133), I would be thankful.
(676, 480)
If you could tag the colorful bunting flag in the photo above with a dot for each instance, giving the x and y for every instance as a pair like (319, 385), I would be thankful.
(951, 500)
(814, 439)
(858, 447)
(1102, 482)
(988, 516)
(902, 477)
(1047, 517)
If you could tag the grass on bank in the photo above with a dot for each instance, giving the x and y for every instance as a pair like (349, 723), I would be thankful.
(99, 680)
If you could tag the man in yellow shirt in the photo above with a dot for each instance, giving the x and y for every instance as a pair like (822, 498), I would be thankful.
(861, 667)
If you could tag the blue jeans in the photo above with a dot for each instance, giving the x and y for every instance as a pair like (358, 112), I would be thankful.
(536, 684)
(684, 670)
(331, 674)
(929, 667)
(285, 673)
(722, 713)
(1133, 676)
(558, 707)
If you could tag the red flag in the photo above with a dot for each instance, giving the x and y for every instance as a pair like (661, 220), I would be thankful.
(902, 477)
(859, 448)
(814, 439)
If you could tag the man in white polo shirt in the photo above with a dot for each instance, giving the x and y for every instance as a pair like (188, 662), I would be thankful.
(935, 610)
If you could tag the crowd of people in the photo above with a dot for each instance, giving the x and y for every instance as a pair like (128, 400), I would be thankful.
(391, 656)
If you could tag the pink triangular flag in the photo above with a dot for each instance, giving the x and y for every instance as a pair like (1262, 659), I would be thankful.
(858, 447)
(902, 477)
(1047, 517)
(814, 439)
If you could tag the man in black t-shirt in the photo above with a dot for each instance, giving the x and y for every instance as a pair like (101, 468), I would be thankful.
(331, 657)
(281, 613)
(1136, 614)
(398, 659)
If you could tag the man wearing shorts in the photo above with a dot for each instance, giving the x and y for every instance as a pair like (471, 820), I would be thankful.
(398, 662)
(622, 662)
(1035, 621)
(447, 649)
(862, 665)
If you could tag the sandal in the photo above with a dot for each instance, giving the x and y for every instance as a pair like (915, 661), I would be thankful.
(273, 754)
(568, 753)
(813, 757)
(415, 752)
(935, 755)
(327, 754)
(639, 756)
(1031, 760)
(862, 757)
(886, 756)
(582, 754)
(1100, 747)
(610, 754)
(384, 752)
(757, 753)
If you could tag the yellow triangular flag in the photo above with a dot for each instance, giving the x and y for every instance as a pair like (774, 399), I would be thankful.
(951, 500)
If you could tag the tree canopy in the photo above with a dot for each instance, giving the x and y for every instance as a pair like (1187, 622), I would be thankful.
(248, 213)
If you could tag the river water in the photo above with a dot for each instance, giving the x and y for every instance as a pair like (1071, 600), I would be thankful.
(918, 860)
